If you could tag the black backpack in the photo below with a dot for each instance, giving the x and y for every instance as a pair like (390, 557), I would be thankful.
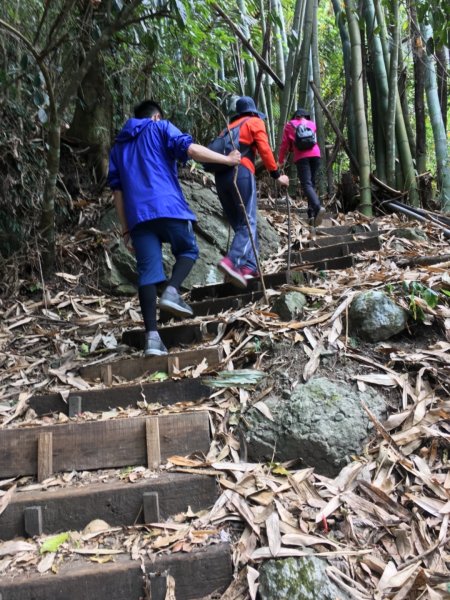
(305, 138)
(224, 143)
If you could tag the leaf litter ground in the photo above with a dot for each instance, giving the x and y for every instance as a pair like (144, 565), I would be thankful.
(382, 523)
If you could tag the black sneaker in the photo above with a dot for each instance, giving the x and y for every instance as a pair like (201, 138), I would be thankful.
(154, 347)
(319, 217)
(173, 303)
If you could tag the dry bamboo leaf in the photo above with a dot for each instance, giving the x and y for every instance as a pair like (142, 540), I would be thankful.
(378, 379)
(396, 579)
(329, 509)
(264, 409)
(99, 551)
(47, 562)
(273, 533)
(6, 498)
(15, 546)
(170, 588)
(306, 540)
(252, 577)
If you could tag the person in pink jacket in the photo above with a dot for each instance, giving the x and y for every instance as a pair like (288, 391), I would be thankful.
(306, 161)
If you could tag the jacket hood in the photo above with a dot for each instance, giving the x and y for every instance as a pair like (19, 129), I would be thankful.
(131, 129)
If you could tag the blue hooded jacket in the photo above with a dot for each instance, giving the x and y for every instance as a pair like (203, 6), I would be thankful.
(143, 165)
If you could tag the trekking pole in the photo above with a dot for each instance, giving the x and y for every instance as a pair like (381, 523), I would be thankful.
(288, 206)
(258, 264)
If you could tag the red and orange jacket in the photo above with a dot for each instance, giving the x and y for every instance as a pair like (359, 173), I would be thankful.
(253, 133)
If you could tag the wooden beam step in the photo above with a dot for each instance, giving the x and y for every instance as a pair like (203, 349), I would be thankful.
(119, 504)
(322, 241)
(346, 229)
(99, 400)
(101, 444)
(316, 254)
(132, 368)
(282, 208)
(197, 574)
(223, 294)
(175, 335)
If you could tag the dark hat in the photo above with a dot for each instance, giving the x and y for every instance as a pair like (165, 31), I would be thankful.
(245, 104)
(301, 112)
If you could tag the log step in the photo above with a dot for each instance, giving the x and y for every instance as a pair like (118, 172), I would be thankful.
(132, 368)
(119, 504)
(99, 400)
(371, 243)
(101, 444)
(332, 240)
(197, 574)
(175, 335)
(226, 295)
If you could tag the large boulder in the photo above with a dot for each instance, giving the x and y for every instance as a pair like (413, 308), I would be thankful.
(373, 317)
(211, 230)
(323, 424)
(303, 578)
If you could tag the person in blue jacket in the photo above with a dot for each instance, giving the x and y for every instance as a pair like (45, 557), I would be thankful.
(152, 209)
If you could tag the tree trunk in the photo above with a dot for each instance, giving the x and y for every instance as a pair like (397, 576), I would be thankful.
(321, 178)
(92, 120)
(286, 95)
(403, 148)
(392, 97)
(359, 111)
(346, 52)
(419, 89)
(305, 54)
(437, 123)
(442, 78)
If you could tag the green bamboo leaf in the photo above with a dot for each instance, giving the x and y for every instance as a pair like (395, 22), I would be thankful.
(52, 544)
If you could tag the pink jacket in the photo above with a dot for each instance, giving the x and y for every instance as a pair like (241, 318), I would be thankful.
(287, 143)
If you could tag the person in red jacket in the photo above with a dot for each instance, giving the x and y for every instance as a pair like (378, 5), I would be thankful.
(306, 161)
(240, 263)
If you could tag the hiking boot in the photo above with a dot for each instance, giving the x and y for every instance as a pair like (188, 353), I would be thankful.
(154, 347)
(249, 273)
(319, 217)
(234, 274)
(172, 302)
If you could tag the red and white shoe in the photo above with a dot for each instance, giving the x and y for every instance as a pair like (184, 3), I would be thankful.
(249, 273)
(233, 273)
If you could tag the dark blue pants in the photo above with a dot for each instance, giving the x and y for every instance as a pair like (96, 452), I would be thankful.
(148, 238)
(241, 252)
(306, 171)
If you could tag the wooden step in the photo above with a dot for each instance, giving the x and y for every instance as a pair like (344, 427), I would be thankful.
(347, 229)
(332, 240)
(175, 335)
(197, 574)
(223, 294)
(132, 368)
(100, 400)
(43, 450)
(316, 254)
(119, 503)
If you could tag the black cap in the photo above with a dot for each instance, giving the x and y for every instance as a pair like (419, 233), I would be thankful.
(301, 112)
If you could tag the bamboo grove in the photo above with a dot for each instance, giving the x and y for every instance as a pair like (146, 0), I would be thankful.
(373, 72)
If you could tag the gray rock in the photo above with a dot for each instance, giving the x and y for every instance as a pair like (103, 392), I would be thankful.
(289, 306)
(297, 579)
(373, 316)
(212, 234)
(323, 424)
(118, 276)
(411, 233)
